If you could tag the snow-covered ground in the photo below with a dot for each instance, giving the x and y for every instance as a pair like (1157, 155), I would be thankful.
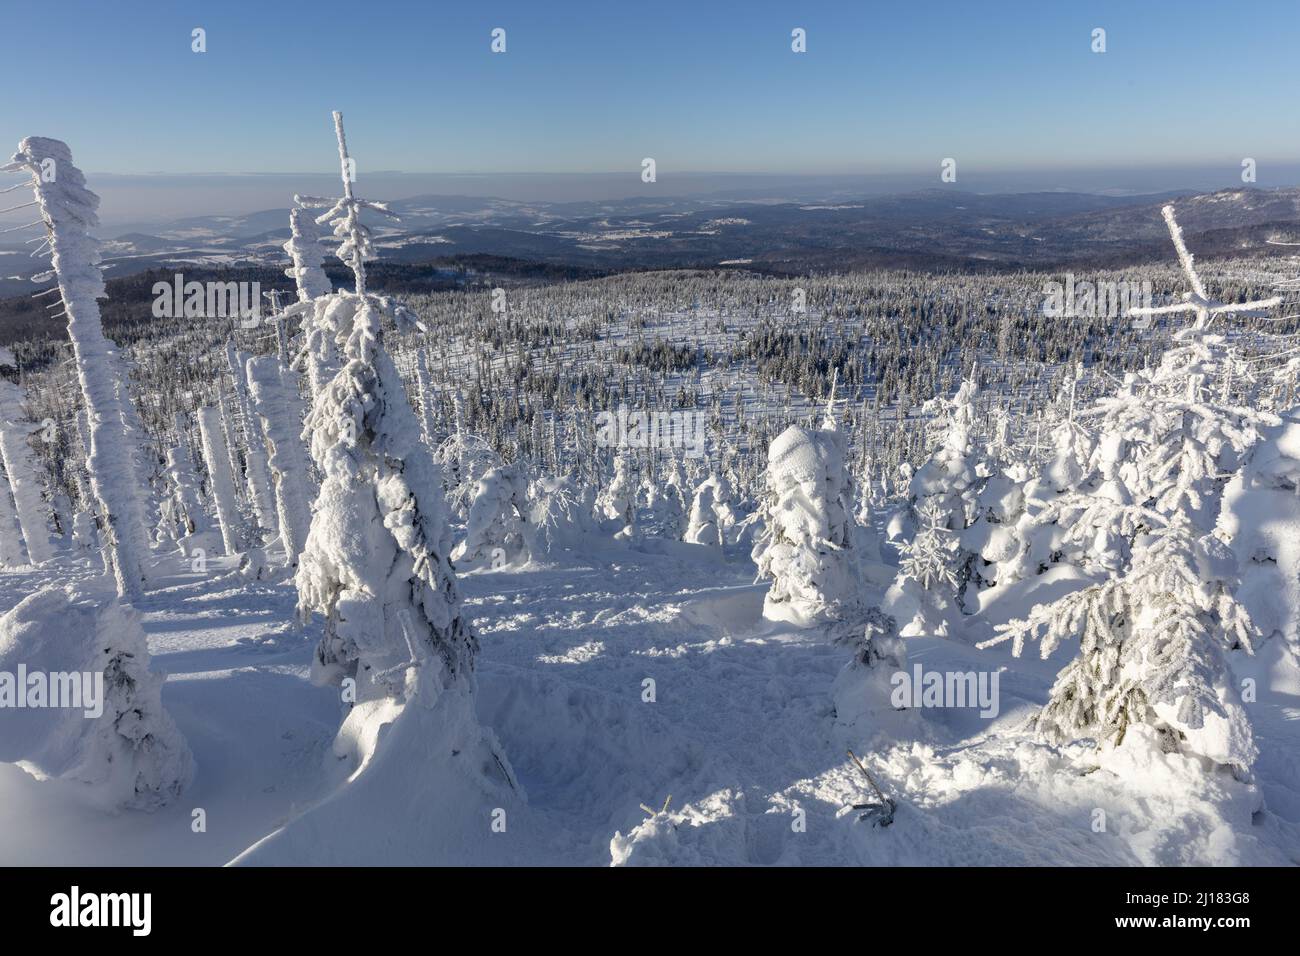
(740, 733)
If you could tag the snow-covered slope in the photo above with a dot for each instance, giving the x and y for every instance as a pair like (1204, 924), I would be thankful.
(737, 728)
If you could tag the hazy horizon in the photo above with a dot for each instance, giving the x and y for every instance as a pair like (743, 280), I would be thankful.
(136, 202)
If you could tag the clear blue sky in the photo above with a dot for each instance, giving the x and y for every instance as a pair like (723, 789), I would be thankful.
(703, 86)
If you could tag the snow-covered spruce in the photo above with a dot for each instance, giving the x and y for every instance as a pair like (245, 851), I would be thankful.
(618, 500)
(1154, 647)
(424, 389)
(952, 481)
(278, 409)
(922, 597)
(702, 522)
(128, 755)
(462, 459)
(806, 548)
(68, 209)
(496, 533)
(1260, 516)
(183, 508)
(376, 566)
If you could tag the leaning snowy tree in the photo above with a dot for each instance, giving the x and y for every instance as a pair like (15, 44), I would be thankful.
(375, 564)
(68, 212)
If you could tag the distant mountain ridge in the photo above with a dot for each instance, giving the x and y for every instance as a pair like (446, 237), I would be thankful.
(937, 228)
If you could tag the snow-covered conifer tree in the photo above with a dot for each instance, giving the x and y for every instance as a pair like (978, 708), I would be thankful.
(922, 597)
(12, 554)
(308, 269)
(558, 513)
(862, 689)
(702, 523)
(376, 561)
(617, 502)
(1154, 645)
(496, 533)
(806, 548)
(424, 387)
(183, 508)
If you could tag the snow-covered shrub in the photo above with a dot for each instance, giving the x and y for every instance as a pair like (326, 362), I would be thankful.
(862, 690)
(496, 533)
(1154, 645)
(558, 512)
(129, 754)
(806, 548)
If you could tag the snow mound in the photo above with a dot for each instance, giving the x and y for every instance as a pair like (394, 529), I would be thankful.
(425, 784)
(123, 748)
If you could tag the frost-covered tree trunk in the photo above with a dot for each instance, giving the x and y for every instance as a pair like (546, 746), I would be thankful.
(68, 209)
(221, 481)
(259, 475)
(277, 407)
(425, 389)
(12, 554)
(24, 481)
(308, 270)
